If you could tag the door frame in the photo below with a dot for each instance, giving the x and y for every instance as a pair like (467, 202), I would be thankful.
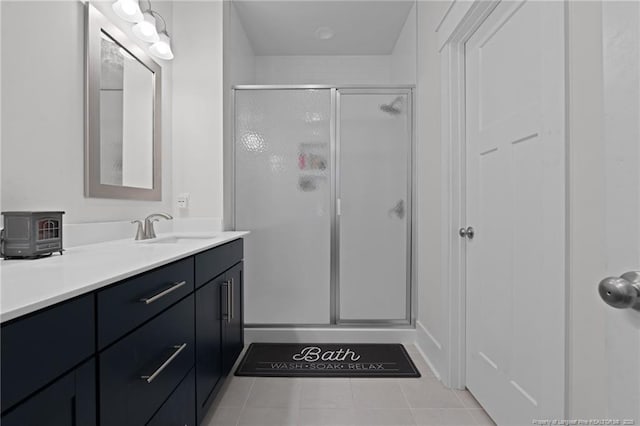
(458, 24)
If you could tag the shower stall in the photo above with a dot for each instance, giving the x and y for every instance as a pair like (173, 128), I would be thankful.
(323, 180)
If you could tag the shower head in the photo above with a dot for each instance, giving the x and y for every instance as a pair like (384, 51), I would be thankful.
(395, 107)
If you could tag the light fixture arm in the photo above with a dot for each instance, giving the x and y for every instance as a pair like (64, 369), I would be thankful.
(164, 23)
(157, 15)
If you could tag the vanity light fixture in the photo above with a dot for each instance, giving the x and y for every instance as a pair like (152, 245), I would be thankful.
(145, 27)
(145, 30)
(162, 47)
(129, 10)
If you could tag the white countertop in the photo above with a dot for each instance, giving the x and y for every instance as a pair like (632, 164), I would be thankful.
(28, 285)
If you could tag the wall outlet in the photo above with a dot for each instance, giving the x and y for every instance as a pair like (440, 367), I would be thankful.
(183, 200)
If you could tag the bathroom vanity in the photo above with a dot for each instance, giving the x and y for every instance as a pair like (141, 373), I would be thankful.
(121, 333)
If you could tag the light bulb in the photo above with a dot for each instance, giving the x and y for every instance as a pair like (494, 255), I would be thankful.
(162, 47)
(145, 30)
(129, 10)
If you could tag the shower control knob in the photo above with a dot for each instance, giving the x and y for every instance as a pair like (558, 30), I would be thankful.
(621, 292)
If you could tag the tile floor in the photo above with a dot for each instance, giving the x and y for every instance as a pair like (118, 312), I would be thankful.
(264, 401)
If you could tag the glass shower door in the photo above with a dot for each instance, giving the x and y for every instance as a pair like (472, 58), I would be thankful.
(282, 195)
(374, 205)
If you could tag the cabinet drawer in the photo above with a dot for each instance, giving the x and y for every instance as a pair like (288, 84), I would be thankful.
(178, 410)
(140, 371)
(127, 305)
(213, 262)
(41, 347)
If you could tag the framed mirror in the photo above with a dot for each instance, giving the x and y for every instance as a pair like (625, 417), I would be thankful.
(122, 141)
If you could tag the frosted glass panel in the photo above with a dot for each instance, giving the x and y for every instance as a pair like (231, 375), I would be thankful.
(374, 149)
(282, 143)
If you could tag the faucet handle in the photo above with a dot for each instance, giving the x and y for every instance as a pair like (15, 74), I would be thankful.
(140, 231)
(151, 232)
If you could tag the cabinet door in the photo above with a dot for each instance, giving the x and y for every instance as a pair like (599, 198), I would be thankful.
(208, 341)
(69, 401)
(232, 325)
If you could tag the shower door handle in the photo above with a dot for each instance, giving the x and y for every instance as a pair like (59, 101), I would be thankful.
(398, 209)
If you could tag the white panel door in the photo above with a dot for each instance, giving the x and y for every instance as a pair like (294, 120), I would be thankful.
(621, 49)
(516, 203)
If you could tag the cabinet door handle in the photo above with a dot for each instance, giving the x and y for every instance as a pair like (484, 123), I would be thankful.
(228, 301)
(178, 348)
(174, 287)
(231, 313)
(226, 315)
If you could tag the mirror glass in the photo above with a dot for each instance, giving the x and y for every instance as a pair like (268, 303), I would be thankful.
(126, 117)
(123, 100)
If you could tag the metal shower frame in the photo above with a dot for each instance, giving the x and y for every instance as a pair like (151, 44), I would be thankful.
(334, 129)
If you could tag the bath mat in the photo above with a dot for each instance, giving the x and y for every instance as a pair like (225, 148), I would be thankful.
(326, 360)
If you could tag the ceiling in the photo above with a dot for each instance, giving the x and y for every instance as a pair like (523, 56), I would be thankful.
(289, 27)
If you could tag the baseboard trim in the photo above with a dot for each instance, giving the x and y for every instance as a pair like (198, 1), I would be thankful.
(430, 349)
(435, 341)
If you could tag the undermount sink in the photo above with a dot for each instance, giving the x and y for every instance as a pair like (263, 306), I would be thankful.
(175, 239)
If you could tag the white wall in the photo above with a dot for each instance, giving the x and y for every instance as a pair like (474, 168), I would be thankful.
(198, 106)
(243, 60)
(403, 57)
(321, 69)
(431, 321)
(43, 114)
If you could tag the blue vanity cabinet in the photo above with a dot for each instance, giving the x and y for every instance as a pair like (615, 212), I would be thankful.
(151, 350)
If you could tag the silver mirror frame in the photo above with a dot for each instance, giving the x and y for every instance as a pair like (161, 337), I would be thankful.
(95, 23)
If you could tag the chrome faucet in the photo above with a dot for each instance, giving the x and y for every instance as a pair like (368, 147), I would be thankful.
(146, 231)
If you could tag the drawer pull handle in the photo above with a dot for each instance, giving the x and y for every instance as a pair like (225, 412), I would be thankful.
(175, 286)
(178, 348)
